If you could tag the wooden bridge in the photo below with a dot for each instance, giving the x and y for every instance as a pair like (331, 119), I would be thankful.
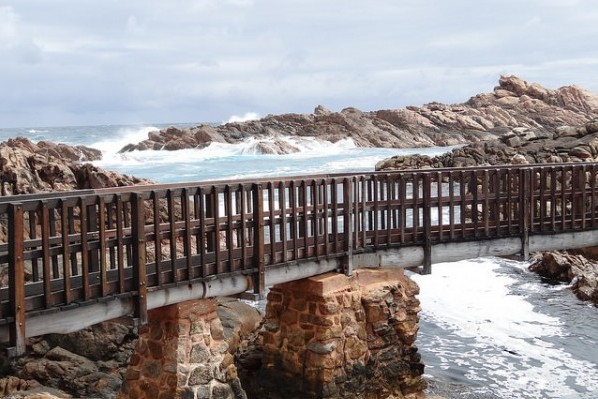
(73, 259)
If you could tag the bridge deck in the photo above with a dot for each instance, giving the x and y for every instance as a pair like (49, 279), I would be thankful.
(127, 249)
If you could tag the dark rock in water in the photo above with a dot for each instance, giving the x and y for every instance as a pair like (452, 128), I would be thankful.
(577, 267)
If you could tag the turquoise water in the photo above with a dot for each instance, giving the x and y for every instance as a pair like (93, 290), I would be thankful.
(500, 331)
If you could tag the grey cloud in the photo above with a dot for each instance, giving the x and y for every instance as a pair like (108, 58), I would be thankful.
(79, 62)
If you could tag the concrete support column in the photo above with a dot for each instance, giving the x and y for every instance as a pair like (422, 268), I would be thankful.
(181, 353)
(342, 336)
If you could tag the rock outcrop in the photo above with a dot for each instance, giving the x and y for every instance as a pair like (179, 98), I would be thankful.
(26, 168)
(570, 134)
(518, 146)
(579, 268)
(513, 104)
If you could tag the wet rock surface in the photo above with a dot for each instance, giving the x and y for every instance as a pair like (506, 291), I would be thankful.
(513, 104)
(579, 268)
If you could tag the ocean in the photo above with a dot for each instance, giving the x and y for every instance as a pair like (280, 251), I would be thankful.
(489, 328)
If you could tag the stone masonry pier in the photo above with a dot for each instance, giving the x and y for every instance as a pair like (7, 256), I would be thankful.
(328, 336)
(333, 336)
(182, 354)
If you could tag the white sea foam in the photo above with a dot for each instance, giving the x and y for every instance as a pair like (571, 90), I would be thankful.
(248, 116)
(125, 135)
(248, 147)
(510, 351)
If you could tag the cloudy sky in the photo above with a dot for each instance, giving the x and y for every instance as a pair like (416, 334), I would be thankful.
(81, 62)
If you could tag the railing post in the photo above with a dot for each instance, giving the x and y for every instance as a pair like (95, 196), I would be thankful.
(259, 278)
(16, 282)
(139, 256)
(427, 220)
(524, 215)
(348, 226)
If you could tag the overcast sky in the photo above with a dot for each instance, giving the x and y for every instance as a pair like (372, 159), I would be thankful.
(82, 62)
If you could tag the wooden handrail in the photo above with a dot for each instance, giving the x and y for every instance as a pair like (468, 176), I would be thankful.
(83, 246)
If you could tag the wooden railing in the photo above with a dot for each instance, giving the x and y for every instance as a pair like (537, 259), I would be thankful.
(60, 250)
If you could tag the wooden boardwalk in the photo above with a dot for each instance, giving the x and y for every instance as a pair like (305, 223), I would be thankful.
(115, 248)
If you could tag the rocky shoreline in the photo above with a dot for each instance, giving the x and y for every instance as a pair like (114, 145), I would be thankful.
(549, 141)
(517, 123)
(514, 104)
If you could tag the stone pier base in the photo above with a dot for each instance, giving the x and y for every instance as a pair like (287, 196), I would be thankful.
(181, 353)
(333, 336)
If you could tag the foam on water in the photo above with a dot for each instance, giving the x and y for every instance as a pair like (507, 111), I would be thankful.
(497, 337)
(121, 137)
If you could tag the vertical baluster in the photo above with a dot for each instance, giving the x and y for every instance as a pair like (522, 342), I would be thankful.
(439, 198)
(374, 188)
(283, 219)
(173, 235)
(416, 205)
(451, 176)
(47, 277)
(74, 262)
(305, 220)
(139, 256)
(325, 218)
(33, 235)
(243, 238)
(474, 203)
(486, 207)
(334, 202)
(348, 225)
(16, 278)
(202, 230)
(120, 245)
(315, 216)
(498, 199)
(55, 265)
(186, 215)
(216, 208)
(553, 198)
(389, 197)
(84, 249)
(427, 222)
(103, 265)
(462, 194)
(110, 220)
(295, 218)
(402, 206)
(563, 197)
(593, 195)
(66, 270)
(583, 193)
(157, 239)
(272, 224)
(228, 200)
(259, 282)
(525, 215)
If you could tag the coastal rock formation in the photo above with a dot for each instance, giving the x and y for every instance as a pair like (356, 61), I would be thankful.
(517, 146)
(26, 167)
(569, 135)
(577, 267)
(514, 104)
